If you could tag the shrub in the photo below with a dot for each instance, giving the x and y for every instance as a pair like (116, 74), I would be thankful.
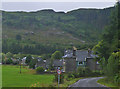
(15, 63)
(76, 75)
(70, 75)
(32, 64)
(40, 70)
(96, 73)
(9, 61)
(117, 79)
(81, 71)
(87, 72)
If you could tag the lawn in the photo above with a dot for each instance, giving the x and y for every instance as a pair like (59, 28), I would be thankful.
(12, 78)
(0, 76)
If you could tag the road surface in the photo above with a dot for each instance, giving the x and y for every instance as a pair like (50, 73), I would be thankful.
(88, 83)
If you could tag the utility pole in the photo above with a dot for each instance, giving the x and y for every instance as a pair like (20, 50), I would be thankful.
(20, 66)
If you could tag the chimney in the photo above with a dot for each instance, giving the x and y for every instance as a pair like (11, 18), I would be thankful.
(74, 51)
(89, 52)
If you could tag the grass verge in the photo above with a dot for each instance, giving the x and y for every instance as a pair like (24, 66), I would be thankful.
(108, 83)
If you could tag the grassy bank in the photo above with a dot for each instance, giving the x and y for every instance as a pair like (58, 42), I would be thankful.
(69, 82)
(12, 78)
(108, 82)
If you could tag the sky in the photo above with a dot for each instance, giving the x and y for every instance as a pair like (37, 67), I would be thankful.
(63, 5)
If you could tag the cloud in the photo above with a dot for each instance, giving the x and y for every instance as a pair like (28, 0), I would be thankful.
(58, 0)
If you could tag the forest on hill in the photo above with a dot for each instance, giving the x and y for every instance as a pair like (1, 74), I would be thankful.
(108, 49)
(45, 31)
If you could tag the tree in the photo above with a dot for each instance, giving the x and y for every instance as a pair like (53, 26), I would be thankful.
(113, 64)
(9, 55)
(28, 59)
(109, 48)
(56, 55)
(109, 42)
(32, 63)
(18, 37)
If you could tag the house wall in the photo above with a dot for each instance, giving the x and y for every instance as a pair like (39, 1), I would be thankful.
(91, 64)
(70, 65)
(41, 64)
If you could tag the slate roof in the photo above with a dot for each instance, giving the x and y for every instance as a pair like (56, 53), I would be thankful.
(81, 55)
(68, 54)
(58, 63)
(24, 58)
(39, 59)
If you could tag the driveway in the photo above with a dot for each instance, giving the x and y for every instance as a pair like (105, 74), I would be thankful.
(88, 83)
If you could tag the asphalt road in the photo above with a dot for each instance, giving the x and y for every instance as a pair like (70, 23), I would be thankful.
(88, 83)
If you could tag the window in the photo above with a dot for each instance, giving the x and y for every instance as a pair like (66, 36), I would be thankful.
(80, 63)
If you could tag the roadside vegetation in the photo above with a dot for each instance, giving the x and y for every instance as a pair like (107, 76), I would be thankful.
(107, 82)
(108, 50)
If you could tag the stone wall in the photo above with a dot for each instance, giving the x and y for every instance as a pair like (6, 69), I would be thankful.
(91, 64)
(70, 65)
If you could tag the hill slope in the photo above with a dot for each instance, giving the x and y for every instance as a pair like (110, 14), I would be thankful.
(80, 23)
(77, 27)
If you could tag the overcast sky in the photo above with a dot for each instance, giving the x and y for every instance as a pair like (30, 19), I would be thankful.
(10, 5)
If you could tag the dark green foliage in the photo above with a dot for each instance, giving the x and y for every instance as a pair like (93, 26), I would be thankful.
(40, 70)
(61, 78)
(113, 64)
(87, 72)
(80, 23)
(46, 56)
(28, 59)
(15, 63)
(18, 37)
(28, 48)
(84, 71)
(81, 71)
(117, 79)
(109, 42)
(56, 55)
(70, 75)
(76, 75)
(108, 49)
(32, 63)
(9, 61)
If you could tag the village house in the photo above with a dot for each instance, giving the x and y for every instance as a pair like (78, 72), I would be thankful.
(58, 64)
(75, 58)
(23, 61)
(40, 62)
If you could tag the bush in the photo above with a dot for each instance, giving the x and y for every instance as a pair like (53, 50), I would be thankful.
(70, 75)
(96, 73)
(15, 63)
(76, 75)
(9, 61)
(61, 78)
(117, 79)
(87, 72)
(40, 70)
(32, 64)
(83, 72)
